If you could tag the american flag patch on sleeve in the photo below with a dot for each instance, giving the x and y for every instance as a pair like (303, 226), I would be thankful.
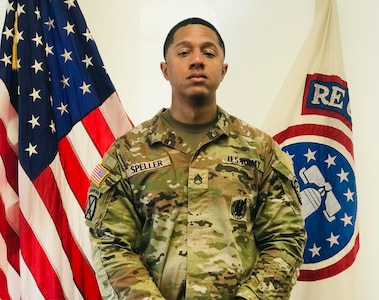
(99, 174)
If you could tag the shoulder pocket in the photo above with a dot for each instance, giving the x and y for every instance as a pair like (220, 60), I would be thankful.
(284, 166)
(100, 194)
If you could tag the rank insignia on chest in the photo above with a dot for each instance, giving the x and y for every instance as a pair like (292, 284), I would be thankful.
(198, 178)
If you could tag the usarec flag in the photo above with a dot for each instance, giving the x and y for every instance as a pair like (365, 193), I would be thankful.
(311, 119)
(59, 112)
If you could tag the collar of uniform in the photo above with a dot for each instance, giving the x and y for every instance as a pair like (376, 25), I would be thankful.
(223, 122)
(160, 133)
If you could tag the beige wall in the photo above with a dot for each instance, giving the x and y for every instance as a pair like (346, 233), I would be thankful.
(262, 39)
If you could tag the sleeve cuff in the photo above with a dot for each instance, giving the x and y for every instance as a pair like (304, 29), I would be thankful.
(246, 293)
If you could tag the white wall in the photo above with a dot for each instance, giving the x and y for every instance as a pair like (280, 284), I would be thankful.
(262, 39)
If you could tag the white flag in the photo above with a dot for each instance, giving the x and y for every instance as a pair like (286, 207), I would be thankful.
(311, 119)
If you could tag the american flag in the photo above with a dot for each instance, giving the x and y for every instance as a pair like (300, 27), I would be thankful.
(59, 113)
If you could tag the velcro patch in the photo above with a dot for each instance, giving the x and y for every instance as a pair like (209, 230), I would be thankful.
(147, 166)
(99, 174)
(91, 204)
(198, 178)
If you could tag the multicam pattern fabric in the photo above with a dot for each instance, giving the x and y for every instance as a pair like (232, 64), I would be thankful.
(216, 222)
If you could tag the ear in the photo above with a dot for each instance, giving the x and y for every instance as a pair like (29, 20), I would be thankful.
(164, 70)
(224, 70)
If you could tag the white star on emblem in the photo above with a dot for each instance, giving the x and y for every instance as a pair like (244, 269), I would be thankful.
(315, 250)
(310, 155)
(349, 195)
(330, 160)
(333, 240)
(290, 155)
(343, 175)
(346, 220)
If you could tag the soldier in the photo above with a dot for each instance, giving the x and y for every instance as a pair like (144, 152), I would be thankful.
(195, 203)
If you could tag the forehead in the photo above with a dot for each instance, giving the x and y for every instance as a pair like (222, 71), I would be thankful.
(195, 33)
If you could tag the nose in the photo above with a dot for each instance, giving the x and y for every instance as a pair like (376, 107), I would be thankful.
(197, 60)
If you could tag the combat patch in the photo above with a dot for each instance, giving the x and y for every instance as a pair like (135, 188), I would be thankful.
(93, 195)
(147, 165)
(99, 174)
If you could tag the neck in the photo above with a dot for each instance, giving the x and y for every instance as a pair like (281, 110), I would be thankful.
(192, 114)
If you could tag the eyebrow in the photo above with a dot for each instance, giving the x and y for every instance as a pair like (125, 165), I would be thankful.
(189, 44)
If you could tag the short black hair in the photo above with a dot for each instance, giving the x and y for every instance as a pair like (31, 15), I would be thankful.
(190, 21)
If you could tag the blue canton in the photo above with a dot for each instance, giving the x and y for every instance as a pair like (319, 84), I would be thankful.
(55, 81)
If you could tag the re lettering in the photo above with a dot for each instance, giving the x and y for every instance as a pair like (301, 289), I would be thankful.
(325, 96)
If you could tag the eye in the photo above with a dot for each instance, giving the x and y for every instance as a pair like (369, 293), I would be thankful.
(183, 53)
(209, 53)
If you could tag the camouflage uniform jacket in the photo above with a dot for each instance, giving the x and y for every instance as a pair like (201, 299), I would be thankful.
(167, 222)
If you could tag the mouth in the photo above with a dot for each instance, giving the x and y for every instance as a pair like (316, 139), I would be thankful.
(197, 77)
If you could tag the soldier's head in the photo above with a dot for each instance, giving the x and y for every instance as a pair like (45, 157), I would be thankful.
(194, 65)
(191, 21)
